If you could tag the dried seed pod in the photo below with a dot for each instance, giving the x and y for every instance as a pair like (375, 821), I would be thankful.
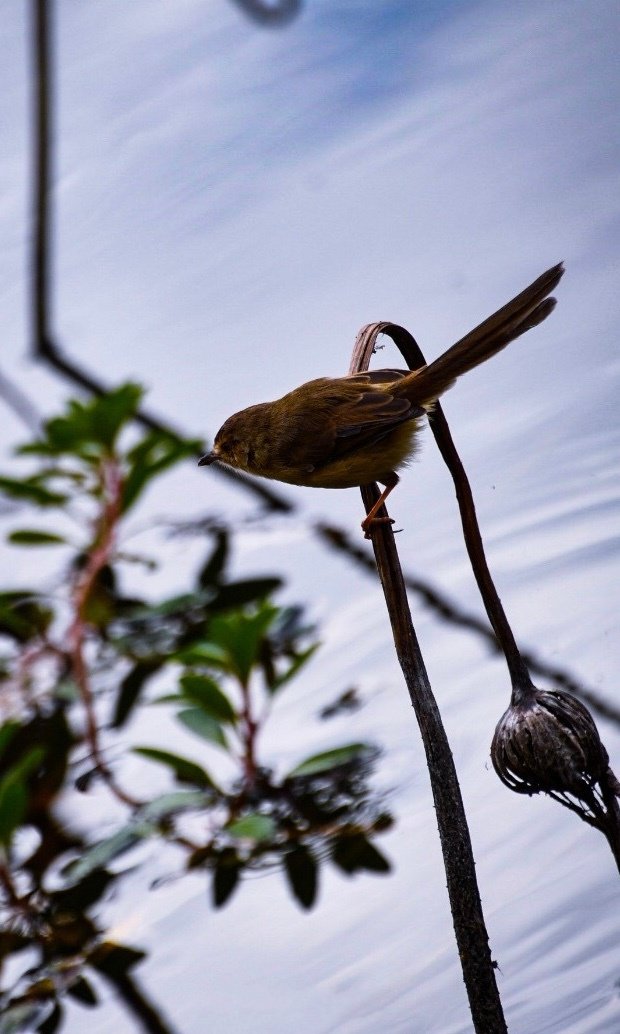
(548, 742)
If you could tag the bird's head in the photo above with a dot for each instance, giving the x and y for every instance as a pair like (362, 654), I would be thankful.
(235, 442)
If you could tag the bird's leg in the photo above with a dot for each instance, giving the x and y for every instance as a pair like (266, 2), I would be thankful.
(390, 482)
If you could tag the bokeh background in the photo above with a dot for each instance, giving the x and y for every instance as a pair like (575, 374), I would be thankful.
(232, 202)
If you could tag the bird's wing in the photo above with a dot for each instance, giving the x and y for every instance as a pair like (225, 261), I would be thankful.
(350, 413)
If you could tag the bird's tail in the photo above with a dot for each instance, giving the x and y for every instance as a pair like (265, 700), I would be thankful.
(525, 311)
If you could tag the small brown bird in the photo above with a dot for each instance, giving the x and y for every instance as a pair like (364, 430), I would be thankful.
(349, 431)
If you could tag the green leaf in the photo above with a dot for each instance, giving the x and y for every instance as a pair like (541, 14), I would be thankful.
(252, 827)
(27, 491)
(240, 634)
(226, 876)
(173, 803)
(185, 770)
(67, 690)
(302, 874)
(22, 617)
(22, 1016)
(33, 537)
(110, 412)
(205, 653)
(204, 691)
(27, 764)
(105, 851)
(130, 690)
(13, 804)
(239, 594)
(329, 759)
(7, 731)
(155, 453)
(276, 683)
(203, 725)
(213, 569)
(90, 428)
(352, 853)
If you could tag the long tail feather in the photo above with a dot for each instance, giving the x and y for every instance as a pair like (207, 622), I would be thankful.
(525, 311)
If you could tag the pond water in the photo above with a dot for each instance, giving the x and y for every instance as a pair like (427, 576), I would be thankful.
(232, 204)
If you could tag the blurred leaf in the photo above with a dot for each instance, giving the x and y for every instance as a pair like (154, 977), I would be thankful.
(85, 894)
(105, 851)
(111, 411)
(142, 825)
(28, 491)
(186, 771)
(347, 701)
(204, 691)
(238, 594)
(240, 634)
(155, 453)
(83, 992)
(21, 616)
(302, 874)
(32, 537)
(203, 725)
(352, 853)
(329, 759)
(226, 876)
(130, 690)
(67, 690)
(115, 960)
(289, 629)
(173, 803)
(13, 801)
(52, 1022)
(21, 1017)
(206, 653)
(90, 428)
(7, 731)
(14, 792)
(27, 763)
(252, 827)
(213, 569)
(276, 683)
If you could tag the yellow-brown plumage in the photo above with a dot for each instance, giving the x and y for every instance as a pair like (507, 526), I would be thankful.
(349, 431)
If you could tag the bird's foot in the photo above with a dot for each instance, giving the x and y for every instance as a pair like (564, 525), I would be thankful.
(370, 522)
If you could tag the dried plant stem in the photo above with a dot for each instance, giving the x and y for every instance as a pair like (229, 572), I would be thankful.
(469, 925)
(520, 678)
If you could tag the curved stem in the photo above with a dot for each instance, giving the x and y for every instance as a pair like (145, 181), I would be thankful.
(522, 687)
(469, 925)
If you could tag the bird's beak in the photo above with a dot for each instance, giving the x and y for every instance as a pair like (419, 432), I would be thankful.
(207, 459)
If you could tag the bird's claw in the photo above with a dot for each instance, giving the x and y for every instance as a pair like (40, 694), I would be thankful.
(368, 524)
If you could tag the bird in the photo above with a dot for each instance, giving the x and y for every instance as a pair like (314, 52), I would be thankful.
(345, 432)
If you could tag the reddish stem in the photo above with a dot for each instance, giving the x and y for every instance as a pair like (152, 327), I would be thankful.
(98, 557)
